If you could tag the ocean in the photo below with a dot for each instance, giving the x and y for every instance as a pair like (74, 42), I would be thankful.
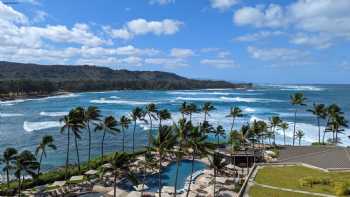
(24, 122)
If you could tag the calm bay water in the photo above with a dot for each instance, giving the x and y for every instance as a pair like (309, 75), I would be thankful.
(24, 122)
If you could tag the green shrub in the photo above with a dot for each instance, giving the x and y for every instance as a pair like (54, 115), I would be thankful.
(306, 181)
(310, 181)
(341, 188)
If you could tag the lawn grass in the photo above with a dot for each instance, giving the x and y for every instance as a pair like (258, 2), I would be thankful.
(258, 191)
(289, 176)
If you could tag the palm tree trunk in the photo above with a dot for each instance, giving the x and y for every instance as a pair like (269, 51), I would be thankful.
(8, 178)
(284, 136)
(176, 175)
(319, 130)
(133, 138)
(295, 122)
(115, 185)
(67, 156)
(160, 175)
(123, 139)
(218, 140)
(324, 131)
(205, 116)
(150, 131)
(89, 156)
(41, 158)
(103, 139)
(143, 180)
(274, 135)
(214, 182)
(77, 150)
(233, 122)
(19, 185)
(299, 141)
(190, 117)
(189, 184)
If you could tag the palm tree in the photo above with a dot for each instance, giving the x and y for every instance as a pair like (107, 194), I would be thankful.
(219, 131)
(198, 145)
(207, 107)
(184, 109)
(92, 114)
(296, 99)
(68, 123)
(108, 125)
(336, 125)
(284, 126)
(234, 113)
(8, 160)
(124, 124)
(149, 163)
(25, 162)
(164, 142)
(300, 134)
(192, 108)
(319, 110)
(120, 166)
(151, 111)
(163, 114)
(46, 142)
(275, 122)
(217, 162)
(78, 124)
(136, 114)
(235, 141)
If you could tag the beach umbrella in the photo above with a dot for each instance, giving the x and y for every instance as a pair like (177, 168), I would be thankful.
(139, 187)
(91, 172)
(107, 165)
(168, 189)
(77, 178)
(58, 183)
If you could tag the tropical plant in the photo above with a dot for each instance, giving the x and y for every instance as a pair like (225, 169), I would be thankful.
(151, 112)
(274, 123)
(296, 99)
(207, 108)
(120, 166)
(8, 160)
(217, 163)
(235, 112)
(319, 110)
(46, 142)
(284, 126)
(78, 124)
(191, 109)
(25, 163)
(124, 124)
(198, 146)
(92, 114)
(235, 142)
(136, 114)
(108, 125)
(163, 114)
(336, 125)
(219, 131)
(184, 109)
(300, 134)
(150, 163)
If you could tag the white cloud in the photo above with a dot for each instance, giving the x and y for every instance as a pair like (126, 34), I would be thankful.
(223, 54)
(258, 36)
(277, 54)
(223, 4)
(141, 27)
(181, 53)
(320, 41)
(168, 62)
(161, 2)
(8, 14)
(40, 16)
(220, 63)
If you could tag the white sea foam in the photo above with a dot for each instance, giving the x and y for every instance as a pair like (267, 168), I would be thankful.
(13, 102)
(121, 102)
(4, 115)
(298, 87)
(228, 99)
(114, 97)
(199, 93)
(53, 114)
(249, 110)
(36, 126)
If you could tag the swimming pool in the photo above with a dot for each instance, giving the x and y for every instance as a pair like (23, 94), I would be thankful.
(169, 173)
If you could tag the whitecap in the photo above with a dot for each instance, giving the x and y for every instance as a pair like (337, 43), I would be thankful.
(36, 126)
(122, 102)
(249, 100)
(297, 87)
(4, 115)
(199, 93)
(249, 110)
(53, 114)
(12, 102)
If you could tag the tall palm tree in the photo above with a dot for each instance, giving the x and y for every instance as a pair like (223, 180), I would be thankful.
(207, 107)
(319, 110)
(151, 111)
(296, 99)
(25, 163)
(336, 125)
(198, 145)
(136, 114)
(274, 123)
(78, 125)
(184, 109)
(235, 112)
(191, 109)
(150, 163)
(300, 134)
(46, 142)
(124, 124)
(108, 125)
(235, 141)
(92, 114)
(164, 142)
(163, 114)
(120, 166)
(8, 160)
(284, 126)
(219, 131)
(217, 162)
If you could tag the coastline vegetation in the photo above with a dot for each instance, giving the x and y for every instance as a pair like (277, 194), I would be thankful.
(180, 139)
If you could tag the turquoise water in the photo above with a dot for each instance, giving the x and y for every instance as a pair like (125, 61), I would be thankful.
(168, 174)
(24, 122)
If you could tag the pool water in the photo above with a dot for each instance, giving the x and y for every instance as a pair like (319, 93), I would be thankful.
(169, 174)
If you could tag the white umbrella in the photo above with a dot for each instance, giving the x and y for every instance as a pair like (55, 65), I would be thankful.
(77, 178)
(168, 189)
(107, 165)
(139, 187)
(91, 172)
(58, 183)
(231, 166)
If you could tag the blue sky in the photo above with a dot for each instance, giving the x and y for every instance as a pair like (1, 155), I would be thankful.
(272, 41)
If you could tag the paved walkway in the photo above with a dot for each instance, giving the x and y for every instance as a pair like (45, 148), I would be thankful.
(292, 190)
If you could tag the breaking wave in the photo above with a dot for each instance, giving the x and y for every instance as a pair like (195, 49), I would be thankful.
(122, 102)
(36, 126)
(53, 114)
